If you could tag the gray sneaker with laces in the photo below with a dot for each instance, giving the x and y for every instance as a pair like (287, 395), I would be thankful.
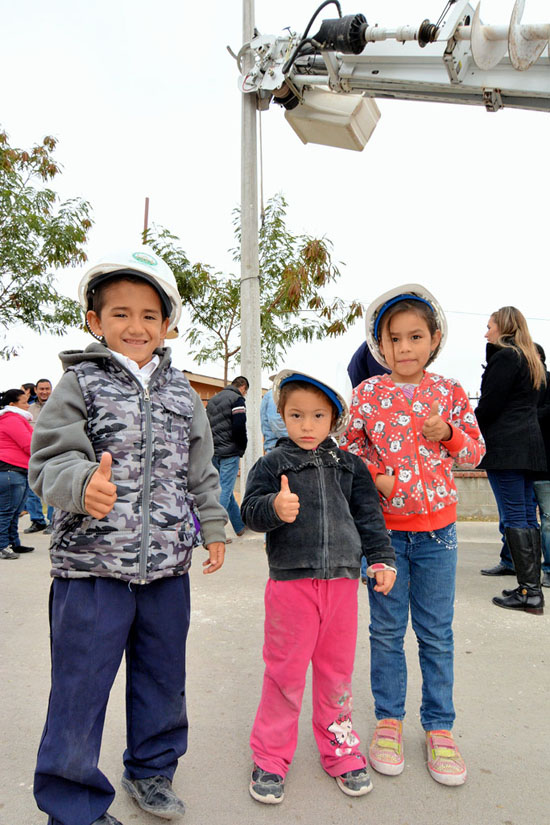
(106, 819)
(155, 795)
(6, 553)
(266, 787)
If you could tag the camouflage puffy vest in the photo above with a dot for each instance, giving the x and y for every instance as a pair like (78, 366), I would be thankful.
(152, 529)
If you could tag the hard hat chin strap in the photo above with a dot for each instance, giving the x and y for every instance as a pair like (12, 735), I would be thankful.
(99, 338)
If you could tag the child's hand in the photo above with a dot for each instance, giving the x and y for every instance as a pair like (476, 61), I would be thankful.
(100, 495)
(435, 429)
(216, 555)
(385, 580)
(287, 504)
(384, 484)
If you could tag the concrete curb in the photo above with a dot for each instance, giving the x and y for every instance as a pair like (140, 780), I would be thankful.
(478, 531)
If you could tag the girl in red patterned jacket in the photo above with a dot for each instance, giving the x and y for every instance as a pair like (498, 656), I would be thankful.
(409, 427)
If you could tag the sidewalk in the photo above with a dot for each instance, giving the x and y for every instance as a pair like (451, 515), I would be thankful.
(502, 696)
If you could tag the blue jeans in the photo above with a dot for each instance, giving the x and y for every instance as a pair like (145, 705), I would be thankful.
(515, 497)
(542, 494)
(517, 506)
(505, 556)
(425, 584)
(13, 489)
(228, 469)
(34, 506)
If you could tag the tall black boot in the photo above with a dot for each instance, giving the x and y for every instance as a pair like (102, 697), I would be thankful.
(537, 537)
(525, 547)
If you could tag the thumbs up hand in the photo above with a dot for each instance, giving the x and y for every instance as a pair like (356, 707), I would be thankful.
(100, 494)
(435, 429)
(287, 504)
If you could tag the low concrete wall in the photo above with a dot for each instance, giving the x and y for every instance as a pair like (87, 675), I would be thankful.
(475, 497)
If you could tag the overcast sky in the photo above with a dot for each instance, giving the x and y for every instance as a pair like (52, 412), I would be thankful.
(143, 99)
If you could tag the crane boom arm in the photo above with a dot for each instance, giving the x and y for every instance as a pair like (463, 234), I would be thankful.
(457, 60)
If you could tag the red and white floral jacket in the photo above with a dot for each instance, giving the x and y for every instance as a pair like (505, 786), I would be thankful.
(385, 429)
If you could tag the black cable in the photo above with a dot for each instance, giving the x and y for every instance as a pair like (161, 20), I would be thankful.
(444, 12)
(305, 39)
(296, 53)
(322, 6)
(427, 32)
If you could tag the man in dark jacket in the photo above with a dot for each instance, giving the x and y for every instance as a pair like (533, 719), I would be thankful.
(226, 412)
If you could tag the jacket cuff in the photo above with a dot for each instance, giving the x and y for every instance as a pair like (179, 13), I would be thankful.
(212, 531)
(373, 470)
(271, 505)
(80, 486)
(378, 567)
(456, 441)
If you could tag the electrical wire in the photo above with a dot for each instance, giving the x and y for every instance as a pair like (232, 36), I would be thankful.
(304, 40)
(485, 314)
(444, 12)
(452, 312)
(244, 87)
(321, 7)
(296, 53)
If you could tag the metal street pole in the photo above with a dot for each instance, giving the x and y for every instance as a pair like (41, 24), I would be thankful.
(146, 218)
(250, 282)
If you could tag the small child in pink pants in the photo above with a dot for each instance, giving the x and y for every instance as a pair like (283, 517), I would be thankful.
(320, 511)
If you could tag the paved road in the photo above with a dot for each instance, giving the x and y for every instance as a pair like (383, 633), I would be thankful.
(502, 699)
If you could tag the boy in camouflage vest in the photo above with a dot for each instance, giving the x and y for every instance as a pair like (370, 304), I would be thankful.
(123, 450)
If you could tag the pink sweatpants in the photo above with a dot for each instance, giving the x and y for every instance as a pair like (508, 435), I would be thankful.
(308, 620)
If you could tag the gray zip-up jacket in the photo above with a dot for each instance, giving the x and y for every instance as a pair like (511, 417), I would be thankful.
(161, 446)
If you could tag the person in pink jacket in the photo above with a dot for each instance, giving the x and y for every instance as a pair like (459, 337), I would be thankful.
(409, 427)
(15, 450)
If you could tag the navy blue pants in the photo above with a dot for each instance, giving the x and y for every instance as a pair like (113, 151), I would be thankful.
(93, 622)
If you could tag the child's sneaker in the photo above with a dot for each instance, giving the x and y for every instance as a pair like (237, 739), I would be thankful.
(354, 783)
(155, 795)
(445, 763)
(386, 749)
(266, 787)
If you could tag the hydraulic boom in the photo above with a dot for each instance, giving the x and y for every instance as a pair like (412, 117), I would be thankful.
(458, 59)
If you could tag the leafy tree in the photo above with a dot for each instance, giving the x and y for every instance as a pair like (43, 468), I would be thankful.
(37, 235)
(294, 269)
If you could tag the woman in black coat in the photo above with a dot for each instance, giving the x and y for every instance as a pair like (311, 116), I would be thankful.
(507, 417)
(541, 480)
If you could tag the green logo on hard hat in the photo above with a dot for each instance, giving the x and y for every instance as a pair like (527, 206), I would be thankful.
(143, 258)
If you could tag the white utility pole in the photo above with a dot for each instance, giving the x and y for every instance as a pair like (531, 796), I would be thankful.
(250, 282)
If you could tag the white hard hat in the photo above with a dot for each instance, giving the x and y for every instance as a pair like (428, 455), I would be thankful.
(411, 292)
(140, 261)
(337, 396)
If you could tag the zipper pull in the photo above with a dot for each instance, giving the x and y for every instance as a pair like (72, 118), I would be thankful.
(146, 393)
